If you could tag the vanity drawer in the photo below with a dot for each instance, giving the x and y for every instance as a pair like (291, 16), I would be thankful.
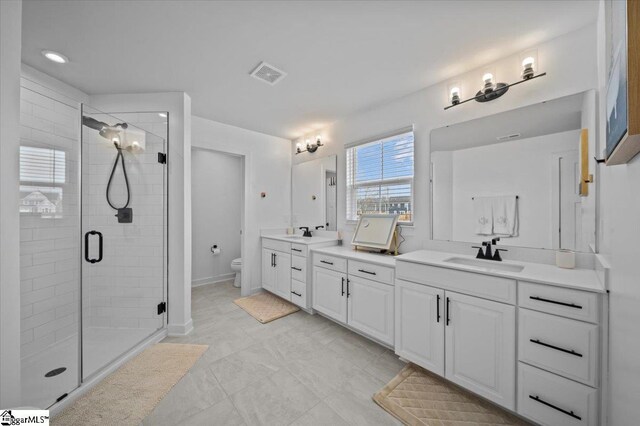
(563, 346)
(299, 249)
(299, 268)
(475, 284)
(553, 400)
(330, 262)
(276, 245)
(581, 305)
(299, 293)
(370, 271)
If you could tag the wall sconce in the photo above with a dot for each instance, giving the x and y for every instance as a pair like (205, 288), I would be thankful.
(490, 89)
(311, 147)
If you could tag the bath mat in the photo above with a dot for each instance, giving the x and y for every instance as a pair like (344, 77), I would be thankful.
(266, 307)
(418, 397)
(129, 394)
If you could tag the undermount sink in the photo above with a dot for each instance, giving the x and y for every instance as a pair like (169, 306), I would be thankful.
(488, 265)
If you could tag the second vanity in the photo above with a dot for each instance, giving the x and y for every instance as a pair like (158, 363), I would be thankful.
(529, 337)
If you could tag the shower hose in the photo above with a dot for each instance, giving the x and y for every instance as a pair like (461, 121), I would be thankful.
(120, 157)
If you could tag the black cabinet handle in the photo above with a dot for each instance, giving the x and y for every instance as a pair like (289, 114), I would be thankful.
(295, 249)
(296, 269)
(274, 260)
(555, 302)
(297, 294)
(367, 272)
(543, 402)
(348, 292)
(438, 308)
(343, 286)
(86, 246)
(569, 351)
(328, 263)
(448, 319)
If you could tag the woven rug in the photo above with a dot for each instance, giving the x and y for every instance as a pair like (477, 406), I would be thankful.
(129, 394)
(418, 397)
(266, 307)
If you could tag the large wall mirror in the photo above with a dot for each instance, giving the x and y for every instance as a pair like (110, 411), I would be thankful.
(523, 175)
(314, 193)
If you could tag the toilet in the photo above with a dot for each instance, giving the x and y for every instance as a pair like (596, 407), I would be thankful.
(236, 265)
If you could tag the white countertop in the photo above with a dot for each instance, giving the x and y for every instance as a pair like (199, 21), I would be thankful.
(349, 253)
(582, 279)
(298, 239)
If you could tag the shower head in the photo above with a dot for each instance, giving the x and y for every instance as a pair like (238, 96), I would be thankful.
(106, 131)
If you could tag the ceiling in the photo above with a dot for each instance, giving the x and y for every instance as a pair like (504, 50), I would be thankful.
(341, 57)
(544, 118)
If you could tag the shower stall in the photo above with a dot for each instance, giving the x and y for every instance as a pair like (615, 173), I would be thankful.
(93, 218)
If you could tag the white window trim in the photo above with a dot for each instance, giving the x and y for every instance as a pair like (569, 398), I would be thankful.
(386, 135)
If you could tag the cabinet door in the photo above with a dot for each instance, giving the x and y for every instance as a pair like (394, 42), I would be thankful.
(419, 325)
(268, 270)
(370, 308)
(283, 275)
(329, 293)
(480, 347)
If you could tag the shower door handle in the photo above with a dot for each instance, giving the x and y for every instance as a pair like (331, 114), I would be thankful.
(86, 246)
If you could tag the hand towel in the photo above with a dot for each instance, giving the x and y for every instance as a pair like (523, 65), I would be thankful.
(483, 215)
(505, 216)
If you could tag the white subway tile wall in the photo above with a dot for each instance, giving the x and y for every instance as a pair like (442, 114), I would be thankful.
(49, 223)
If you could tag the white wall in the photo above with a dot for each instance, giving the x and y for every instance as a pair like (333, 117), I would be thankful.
(560, 58)
(267, 169)
(619, 218)
(178, 105)
(10, 48)
(520, 167)
(217, 192)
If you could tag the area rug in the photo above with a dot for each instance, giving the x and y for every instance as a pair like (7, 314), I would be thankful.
(418, 397)
(129, 394)
(266, 307)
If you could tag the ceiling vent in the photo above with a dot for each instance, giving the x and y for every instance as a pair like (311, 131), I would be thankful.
(508, 137)
(268, 73)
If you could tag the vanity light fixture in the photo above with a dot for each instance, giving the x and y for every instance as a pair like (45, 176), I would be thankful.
(311, 147)
(56, 57)
(492, 90)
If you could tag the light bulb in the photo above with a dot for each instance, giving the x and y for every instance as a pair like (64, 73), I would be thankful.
(298, 147)
(455, 95)
(527, 67)
(56, 57)
(528, 62)
(487, 78)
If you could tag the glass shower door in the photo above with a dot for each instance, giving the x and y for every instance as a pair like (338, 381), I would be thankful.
(123, 233)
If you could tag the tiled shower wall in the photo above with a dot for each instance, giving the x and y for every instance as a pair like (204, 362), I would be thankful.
(125, 288)
(49, 222)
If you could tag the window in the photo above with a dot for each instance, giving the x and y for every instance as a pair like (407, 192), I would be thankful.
(380, 177)
(42, 177)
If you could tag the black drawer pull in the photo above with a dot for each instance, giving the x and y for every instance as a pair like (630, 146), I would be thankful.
(297, 294)
(438, 308)
(343, 286)
(298, 250)
(569, 351)
(555, 302)
(448, 309)
(367, 272)
(326, 262)
(296, 269)
(348, 291)
(543, 402)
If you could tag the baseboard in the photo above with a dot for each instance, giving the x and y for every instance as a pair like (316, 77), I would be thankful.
(213, 280)
(180, 329)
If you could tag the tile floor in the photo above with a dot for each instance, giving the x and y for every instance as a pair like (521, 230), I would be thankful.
(298, 370)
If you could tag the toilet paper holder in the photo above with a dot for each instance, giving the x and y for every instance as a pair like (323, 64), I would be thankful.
(215, 249)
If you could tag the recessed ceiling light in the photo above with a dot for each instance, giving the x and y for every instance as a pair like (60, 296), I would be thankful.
(56, 57)
(162, 114)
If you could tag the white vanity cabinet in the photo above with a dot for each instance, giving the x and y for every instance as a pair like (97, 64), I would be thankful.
(286, 268)
(355, 292)
(469, 340)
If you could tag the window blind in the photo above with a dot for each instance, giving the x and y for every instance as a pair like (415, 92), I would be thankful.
(42, 165)
(380, 177)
